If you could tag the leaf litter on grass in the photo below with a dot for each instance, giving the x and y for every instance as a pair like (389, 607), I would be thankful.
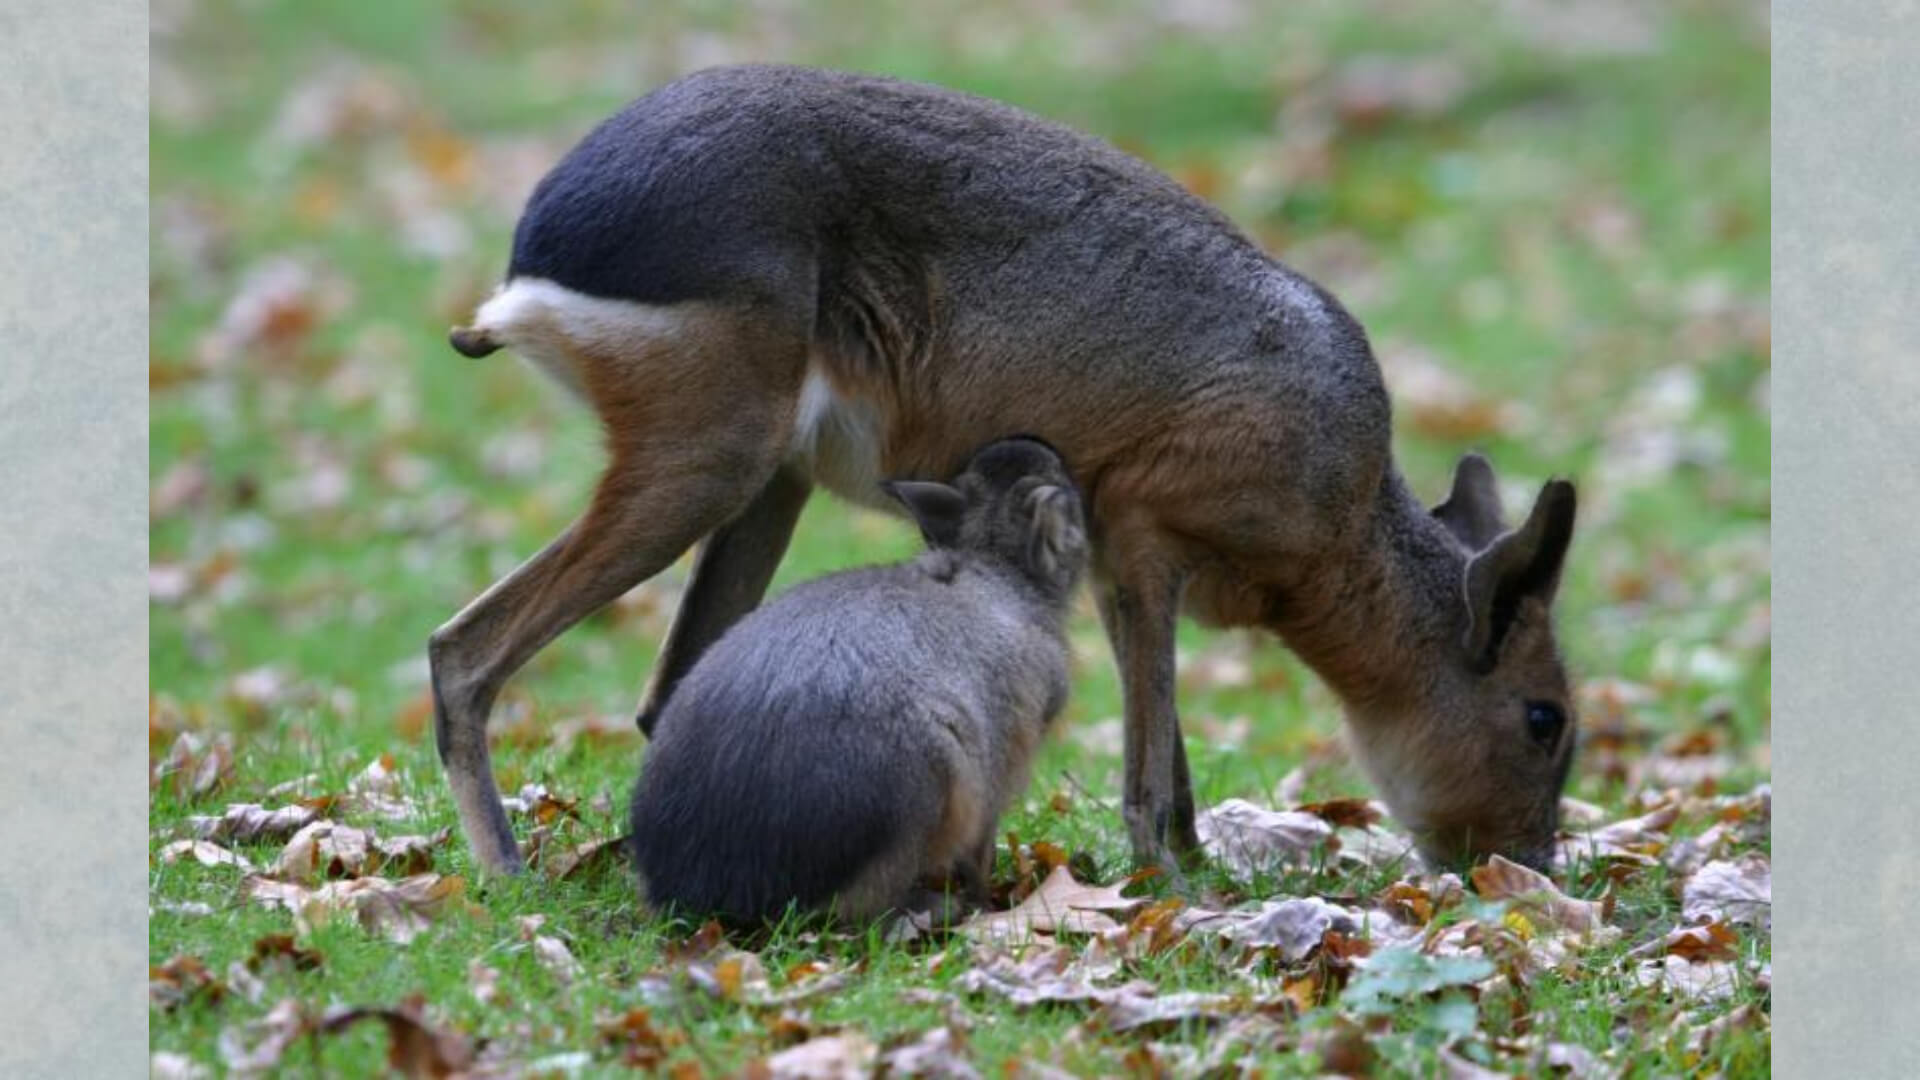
(1064, 942)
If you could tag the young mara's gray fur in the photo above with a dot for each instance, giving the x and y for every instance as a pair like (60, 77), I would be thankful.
(764, 279)
(850, 746)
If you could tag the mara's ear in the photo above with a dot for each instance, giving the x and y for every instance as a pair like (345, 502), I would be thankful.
(936, 508)
(1472, 509)
(1054, 533)
(1521, 564)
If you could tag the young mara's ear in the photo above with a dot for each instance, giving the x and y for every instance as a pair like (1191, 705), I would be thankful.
(936, 508)
(1521, 564)
(1472, 509)
(1054, 536)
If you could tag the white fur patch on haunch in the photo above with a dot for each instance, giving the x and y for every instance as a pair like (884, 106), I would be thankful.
(552, 326)
(836, 439)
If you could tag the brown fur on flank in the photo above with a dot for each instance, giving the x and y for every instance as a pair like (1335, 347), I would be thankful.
(764, 279)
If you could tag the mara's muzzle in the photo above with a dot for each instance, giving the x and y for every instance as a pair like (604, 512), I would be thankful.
(470, 342)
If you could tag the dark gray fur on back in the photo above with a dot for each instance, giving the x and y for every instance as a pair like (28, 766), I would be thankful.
(929, 231)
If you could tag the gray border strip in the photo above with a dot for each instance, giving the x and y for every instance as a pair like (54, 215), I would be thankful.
(73, 452)
(72, 615)
(1846, 257)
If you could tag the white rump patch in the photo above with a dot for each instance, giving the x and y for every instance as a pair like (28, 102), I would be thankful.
(551, 325)
(837, 441)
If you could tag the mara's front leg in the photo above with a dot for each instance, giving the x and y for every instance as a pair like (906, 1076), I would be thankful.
(1182, 835)
(1141, 610)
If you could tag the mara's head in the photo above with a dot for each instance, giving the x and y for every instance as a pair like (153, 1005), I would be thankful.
(1014, 502)
(1474, 759)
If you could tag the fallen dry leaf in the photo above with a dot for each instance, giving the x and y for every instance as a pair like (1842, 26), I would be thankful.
(1250, 839)
(710, 936)
(282, 951)
(1132, 1010)
(1410, 902)
(255, 691)
(379, 790)
(255, 1048)
(1292, 928)
(1750, 1017)
(1374, 848)
(729, 974)
(1708, 980)
(1059, 905)
(584, 860)
(415, 1048)
(1536, 895)
(397, 910)
(844, 1056)
(277, 306)
(244, 822)
(1738, 892)
(536, 802)
(551, 952)
(803, 988)
(204, 852)
(183, 485)
(1041, 975)
(168, 583)
(1690, 761)
(1151, 931)
(181, 980)
(1345, 813)
(1578, 814)
(167, 1065)
(484, 983)
(1635, 840)
(324, 849)
(938, 1052)
(641, 1045)
(245, 983)
(559, 961)
(1685, 856)
(1714, 941)
(195, 765)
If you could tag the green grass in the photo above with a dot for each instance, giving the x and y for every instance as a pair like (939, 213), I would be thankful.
(1466, 232)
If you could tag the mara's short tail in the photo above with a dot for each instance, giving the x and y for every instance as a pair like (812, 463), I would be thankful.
(470, 341)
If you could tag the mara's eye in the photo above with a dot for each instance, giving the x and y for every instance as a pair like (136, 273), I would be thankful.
(1544, 721)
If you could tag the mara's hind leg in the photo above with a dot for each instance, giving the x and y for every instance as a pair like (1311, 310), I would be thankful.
(730, 576)
(697, 402)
